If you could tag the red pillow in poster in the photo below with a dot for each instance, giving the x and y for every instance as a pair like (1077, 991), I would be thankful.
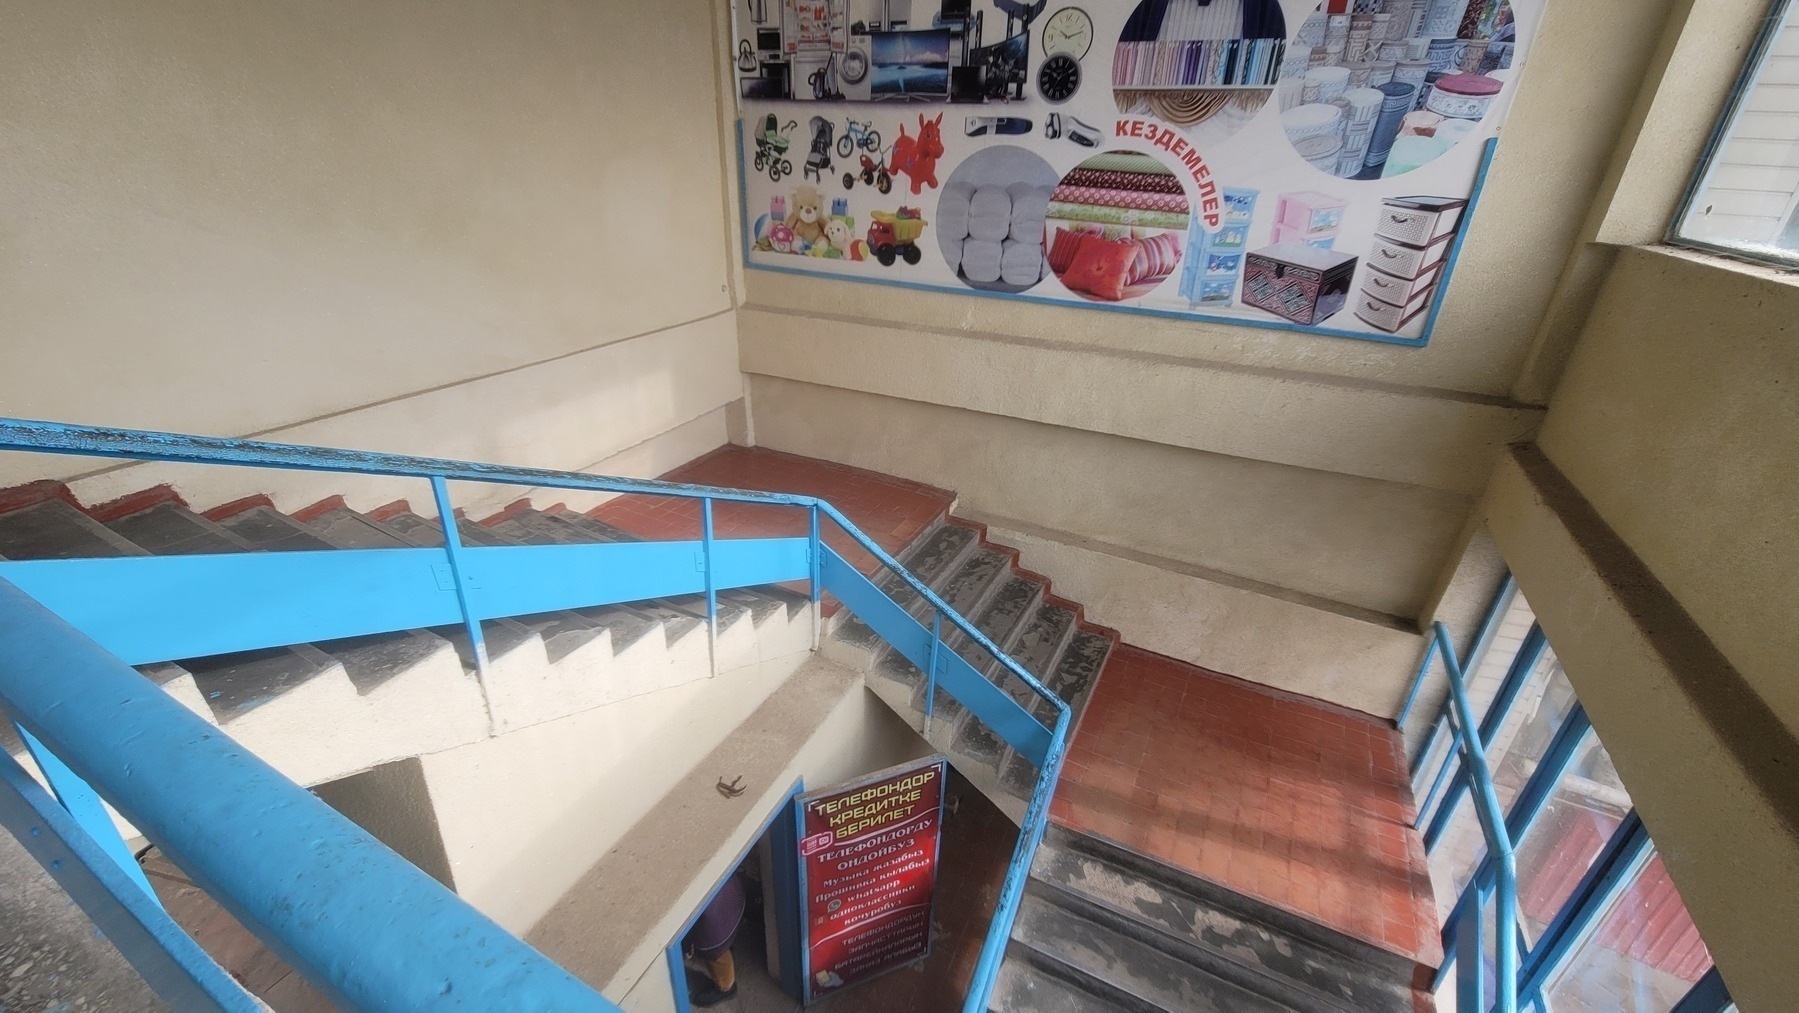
(1102, 267)
(1064, 247)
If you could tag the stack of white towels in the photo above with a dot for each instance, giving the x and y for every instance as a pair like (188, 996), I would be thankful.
(994, 234)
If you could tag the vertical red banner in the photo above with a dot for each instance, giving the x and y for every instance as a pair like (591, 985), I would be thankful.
(868, 867)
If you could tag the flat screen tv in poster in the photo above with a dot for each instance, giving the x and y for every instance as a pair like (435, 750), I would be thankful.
(868, 871)
(1292, 164)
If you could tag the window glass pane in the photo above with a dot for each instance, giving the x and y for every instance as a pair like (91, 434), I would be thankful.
(1544, 702)
(1485, 675)
(1584, 809)
(1747, 193)
(1457, 854)
(1641, 957)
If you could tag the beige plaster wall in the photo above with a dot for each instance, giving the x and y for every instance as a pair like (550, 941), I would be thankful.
(1325, 471)
(233, 218)
(1678, 419)
(1339, 540)
(523, 815)
(392, 802)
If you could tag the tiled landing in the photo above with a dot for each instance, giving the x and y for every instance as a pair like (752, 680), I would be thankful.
(892, 511)
(1295, 803)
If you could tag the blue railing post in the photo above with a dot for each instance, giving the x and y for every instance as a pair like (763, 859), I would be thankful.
(930, 685)
(1411, 697)
(167, 958)
(440, 492)
(817, 587)
(711, 581)
(1470, 955)
(84, 804)
(1499, 838)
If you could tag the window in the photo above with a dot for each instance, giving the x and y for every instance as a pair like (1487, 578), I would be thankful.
(1642, 955)
(1746, 198)
(1600, 922)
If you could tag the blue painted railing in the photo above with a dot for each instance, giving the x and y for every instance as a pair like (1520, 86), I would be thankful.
(369, 929)
(1470, 958)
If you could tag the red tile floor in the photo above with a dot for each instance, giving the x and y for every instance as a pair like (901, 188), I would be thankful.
(1293, 802)
(892, 511)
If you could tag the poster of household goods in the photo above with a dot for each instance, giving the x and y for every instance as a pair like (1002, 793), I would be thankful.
(1278, 162)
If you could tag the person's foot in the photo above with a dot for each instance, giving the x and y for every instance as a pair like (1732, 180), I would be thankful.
(712, 995)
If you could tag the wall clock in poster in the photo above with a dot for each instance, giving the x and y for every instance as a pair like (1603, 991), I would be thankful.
(1292, 164)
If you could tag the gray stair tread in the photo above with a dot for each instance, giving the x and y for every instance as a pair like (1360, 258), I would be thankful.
(1340, 972)
(371, 661)
(931, 560)
(599, 531)
(534, 527)
(235, 684)
(563, 632)
(501, 637)
(1043, 639)
(170, 529)
(1023, 988)
(426, 533)
(475, 533)
(1078, 668)
(1002, 619)
(762, 607)
(627, 624)
(941, 553)
(1153, 976)
(377, 658)
(1071, 675)
(675, 622)
(53, 529)
(266, 528)
(965, 591)
(344, 528)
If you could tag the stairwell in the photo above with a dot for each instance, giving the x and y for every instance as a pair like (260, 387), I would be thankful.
(1017, 611)
(1101, 926)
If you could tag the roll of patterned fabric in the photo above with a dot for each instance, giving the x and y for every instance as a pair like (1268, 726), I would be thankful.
(1315, 119)
(1396, 103)
(1443, 18)
(1363, 106)
(1411, 72)
(1322, 153)
(1332, 82)
(1380, 73)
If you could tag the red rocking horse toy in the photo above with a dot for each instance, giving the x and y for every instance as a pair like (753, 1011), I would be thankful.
(917, 156)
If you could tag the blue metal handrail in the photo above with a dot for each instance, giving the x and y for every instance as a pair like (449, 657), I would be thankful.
(1470, 970)
(330, 894)
(94, 441)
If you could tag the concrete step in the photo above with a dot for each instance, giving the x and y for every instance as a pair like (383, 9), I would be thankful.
(1220, 935)
(1034, 982)
(932, 559)
(1072, 676)
(1003, 620)
(53, 529)
(425, 532)
(268, 529)
(170, 529)
(966, 591)
(1129, 959)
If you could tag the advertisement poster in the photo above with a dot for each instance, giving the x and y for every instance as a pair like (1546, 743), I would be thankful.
(1278, 163)
(868, 867)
